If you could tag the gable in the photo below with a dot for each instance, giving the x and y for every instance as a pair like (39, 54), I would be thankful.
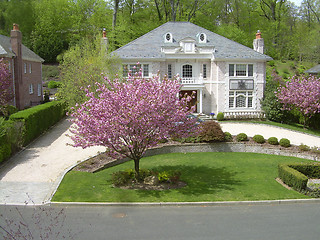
(6, 51)
(149, 45)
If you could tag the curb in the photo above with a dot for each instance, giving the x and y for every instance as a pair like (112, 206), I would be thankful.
(182, 204)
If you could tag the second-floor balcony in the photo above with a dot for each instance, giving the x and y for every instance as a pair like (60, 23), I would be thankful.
(191, 80)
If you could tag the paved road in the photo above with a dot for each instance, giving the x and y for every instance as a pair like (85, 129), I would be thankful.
(263, 222)
(35, 173)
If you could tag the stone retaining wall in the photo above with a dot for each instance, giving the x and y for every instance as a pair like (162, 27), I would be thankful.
(217, 147)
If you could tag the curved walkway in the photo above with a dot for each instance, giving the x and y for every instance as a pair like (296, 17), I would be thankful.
(251, 129)
(33, 174)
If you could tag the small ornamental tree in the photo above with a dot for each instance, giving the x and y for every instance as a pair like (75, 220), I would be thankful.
(302, 94)
(130, 116)
(5, 85)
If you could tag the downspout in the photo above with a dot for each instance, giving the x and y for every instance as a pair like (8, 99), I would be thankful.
(13, 81)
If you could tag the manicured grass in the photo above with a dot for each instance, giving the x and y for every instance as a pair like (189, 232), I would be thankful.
(210, 177)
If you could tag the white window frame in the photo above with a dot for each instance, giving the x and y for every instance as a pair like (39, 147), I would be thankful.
(204, 38)
(25, 67)
(134, 68)
(39, 89)
(31, 88)
(168, 37)
(169, 71)
(236, 72)
(30, 68)
(204, 71)
(187, 71)
(235, 95)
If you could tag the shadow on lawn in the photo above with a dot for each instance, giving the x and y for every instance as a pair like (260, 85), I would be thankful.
(200, 180)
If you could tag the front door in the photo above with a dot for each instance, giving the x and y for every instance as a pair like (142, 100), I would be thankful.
(193, 101)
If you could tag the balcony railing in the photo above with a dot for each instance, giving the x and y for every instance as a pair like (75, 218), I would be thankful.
(191, 80)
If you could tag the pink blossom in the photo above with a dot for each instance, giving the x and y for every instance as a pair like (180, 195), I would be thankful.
(5, 84)
(301, 93)
(129, 116)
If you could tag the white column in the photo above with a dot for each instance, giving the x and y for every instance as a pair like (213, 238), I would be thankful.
(200, 101)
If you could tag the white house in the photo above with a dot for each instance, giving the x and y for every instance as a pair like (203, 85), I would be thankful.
(226, 76)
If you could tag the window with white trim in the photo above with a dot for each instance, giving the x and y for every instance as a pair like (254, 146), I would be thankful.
(202, 38)
(135, 68)
(25, 67)
(168, 38)
(39, 90)
(169, 71)
(241, 93)
(204, 70)
(31, 88)
(30, 68)
(187, 71)
(240, 70)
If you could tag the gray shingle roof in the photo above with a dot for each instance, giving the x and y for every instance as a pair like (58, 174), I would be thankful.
(149, 45)
(6, 51)
(314, 70)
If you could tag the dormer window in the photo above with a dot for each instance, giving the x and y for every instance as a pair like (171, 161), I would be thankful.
(202, 38)
(168, 38)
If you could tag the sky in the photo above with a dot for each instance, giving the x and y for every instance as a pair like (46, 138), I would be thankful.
(296, 2)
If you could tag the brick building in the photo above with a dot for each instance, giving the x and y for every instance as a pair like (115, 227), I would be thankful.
(25, 67)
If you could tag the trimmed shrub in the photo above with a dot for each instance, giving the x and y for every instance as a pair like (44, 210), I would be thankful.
(242, 137)
(5, 151)
(220, 116)
(211, 131)
(311, 170)
(258, 138)
(284, 142)
(273, 141)
(303, 147)
(228, 137)
(38, 119)
(292, 177)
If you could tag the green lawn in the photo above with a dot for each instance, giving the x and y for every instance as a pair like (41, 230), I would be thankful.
(210, 177)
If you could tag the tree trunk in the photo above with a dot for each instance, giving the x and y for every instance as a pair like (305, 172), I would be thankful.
(115, 12)
(137, 168)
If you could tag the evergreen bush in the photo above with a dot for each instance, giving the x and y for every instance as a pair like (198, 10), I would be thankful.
(273, 141)
(284, 142)
(228, 137)
(258, 138)
(242, 137)
(220, 116)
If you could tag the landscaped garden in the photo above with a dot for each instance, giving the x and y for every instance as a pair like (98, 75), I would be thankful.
(208, 177)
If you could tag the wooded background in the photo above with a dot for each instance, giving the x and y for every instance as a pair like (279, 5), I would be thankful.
(50, 27)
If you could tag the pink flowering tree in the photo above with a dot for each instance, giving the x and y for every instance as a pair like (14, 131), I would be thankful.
(130, 116)
(302, 94)
(5, 85)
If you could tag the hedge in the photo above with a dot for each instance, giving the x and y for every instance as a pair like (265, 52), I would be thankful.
(292, 177)
(38, 119)
(5, 149)
(311, 170)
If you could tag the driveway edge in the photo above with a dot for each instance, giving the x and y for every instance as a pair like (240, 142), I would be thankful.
(167, 204)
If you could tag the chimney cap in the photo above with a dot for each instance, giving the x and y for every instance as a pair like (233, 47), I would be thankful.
(16, 27)
(104, 33)
(258, 34)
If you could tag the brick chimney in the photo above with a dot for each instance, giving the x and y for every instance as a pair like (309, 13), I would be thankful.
(16, 45)
(258, 43)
